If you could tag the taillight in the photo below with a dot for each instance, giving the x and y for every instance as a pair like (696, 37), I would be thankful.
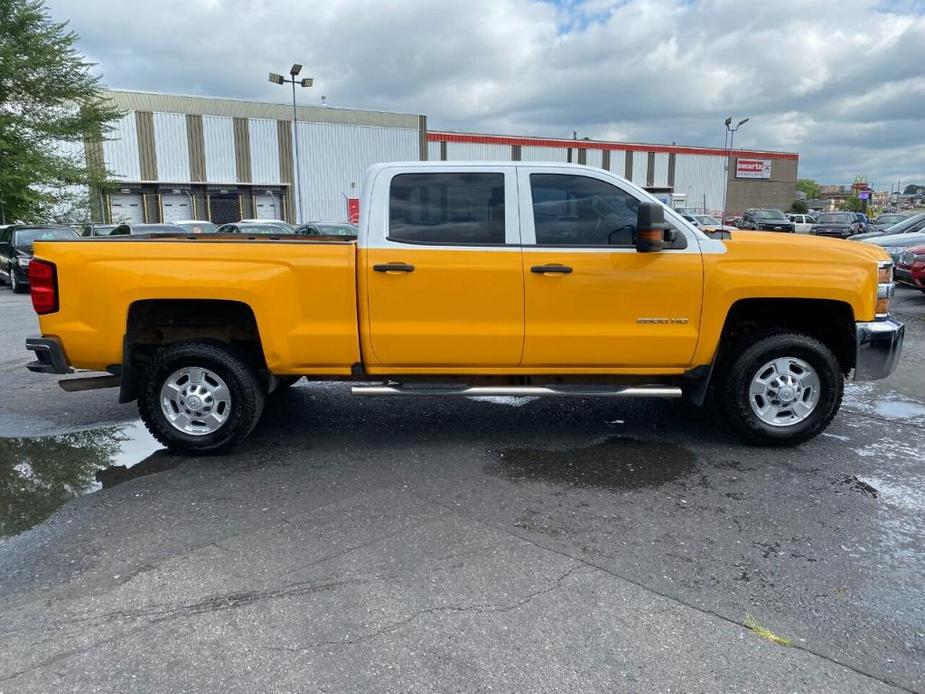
(43, 284)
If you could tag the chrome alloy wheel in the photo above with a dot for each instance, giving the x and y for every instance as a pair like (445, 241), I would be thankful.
(784, 392)
(195, 401)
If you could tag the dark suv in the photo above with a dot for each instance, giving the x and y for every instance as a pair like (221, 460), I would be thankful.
(761, 219)
(16, 250)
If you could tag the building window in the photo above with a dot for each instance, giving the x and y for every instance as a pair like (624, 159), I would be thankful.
(462, 209)
(570, 210)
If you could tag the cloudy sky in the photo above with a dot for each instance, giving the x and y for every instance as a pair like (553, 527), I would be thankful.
(841, 82)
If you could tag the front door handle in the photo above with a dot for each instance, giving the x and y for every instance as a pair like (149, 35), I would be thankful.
(551, 269)
(394, 267)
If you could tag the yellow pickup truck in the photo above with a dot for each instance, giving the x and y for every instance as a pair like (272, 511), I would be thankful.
(509, 278)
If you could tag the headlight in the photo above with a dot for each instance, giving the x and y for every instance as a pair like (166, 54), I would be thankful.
(885, 288)
(23, 262)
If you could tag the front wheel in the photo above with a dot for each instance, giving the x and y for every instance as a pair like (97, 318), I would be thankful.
(198, 397)
(782, 389)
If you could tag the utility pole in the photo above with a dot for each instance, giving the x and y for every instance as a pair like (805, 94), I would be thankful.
(305, 82)
(731, 132)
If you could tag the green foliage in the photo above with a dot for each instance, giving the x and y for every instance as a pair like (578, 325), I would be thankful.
(799, 206)
(851, 204)
(913, 189)
(50, 104)
(810, 188)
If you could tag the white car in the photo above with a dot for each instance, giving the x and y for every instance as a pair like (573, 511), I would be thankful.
(197, 226)
(802, 223)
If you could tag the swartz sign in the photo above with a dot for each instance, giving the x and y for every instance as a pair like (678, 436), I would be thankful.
(753, 168)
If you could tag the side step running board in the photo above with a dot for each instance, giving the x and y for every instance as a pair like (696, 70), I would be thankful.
(523, 391)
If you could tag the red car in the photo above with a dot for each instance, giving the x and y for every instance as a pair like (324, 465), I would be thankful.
(910, 269)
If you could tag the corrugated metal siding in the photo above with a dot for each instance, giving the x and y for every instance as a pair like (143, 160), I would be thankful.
(696, 176)
(476, 151)
(264, 141)
(171, 147)
(661, 169)
(120, 149)
(618, 162)
(218, 136)
(640, 166)
(595, 157)
(544, 154)
(433, 151)
(332, 157)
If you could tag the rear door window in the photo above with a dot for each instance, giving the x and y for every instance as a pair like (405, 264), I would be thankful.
(462, 209)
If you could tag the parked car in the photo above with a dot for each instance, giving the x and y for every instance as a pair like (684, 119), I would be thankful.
(196, 226)
(328, 229)
(16, 250)
(910, 225)
(837, 224)
(277, 222)
(897, 244)
(762, 219)
(888, 219)
(126, 229)
(802, 223)
(910, 267)
(98, 229)
(426, 303)
(256, 228)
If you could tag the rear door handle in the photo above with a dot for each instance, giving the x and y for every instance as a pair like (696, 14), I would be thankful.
(394, 267)
(551, 269)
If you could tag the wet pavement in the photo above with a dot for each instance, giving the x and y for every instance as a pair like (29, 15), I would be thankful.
(515, 544)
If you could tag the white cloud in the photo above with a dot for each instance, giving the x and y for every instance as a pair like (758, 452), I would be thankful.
(838, 81)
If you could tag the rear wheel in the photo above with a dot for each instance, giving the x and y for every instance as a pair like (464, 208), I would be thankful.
(199, 397)
(782, 389)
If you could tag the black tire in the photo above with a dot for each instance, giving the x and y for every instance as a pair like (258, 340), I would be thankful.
(734, 396)
(246, 396)
(17, 287)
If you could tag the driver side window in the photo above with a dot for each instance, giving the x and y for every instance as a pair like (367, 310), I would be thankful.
(573, 210)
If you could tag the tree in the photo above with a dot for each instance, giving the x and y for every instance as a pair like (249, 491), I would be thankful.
(913, 189)
(50, 104)
(810, 188)
(799, 206)
(852, 204)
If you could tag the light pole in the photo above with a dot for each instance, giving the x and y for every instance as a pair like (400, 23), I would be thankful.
(304, 82)
(730, 137)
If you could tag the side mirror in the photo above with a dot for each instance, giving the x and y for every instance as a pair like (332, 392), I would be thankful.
(651, 228)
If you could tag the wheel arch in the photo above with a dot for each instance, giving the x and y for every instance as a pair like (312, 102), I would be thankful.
(154, 323)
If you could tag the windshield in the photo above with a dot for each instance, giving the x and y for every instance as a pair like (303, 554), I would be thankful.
(264, 229)
(769, 214)
(908, 224)
(332, 229)
(835, 218)
(890, 218)
(198, 227)
(707, 220)
(24, 238)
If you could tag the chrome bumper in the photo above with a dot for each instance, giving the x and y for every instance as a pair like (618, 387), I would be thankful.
(879, 344)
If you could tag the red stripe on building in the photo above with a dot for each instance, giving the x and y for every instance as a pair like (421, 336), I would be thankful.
(470, 138)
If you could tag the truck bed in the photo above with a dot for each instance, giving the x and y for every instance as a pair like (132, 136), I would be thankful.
(302, 292)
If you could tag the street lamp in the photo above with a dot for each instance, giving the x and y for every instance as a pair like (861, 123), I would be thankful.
(727, 143)
(304, 82)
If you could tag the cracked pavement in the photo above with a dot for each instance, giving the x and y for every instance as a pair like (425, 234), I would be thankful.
(514, 545)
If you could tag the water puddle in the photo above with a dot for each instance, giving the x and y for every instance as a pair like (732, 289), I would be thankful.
(618, 463)
(38, 475)
(865, 398)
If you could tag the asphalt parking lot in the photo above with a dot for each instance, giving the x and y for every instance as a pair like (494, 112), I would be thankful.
(460, 545)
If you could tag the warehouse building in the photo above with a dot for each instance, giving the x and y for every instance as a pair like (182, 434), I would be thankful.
(180, 157)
